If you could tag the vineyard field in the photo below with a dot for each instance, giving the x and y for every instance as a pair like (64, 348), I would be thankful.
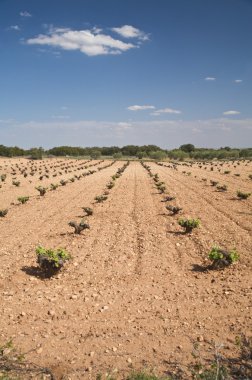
(138, 291)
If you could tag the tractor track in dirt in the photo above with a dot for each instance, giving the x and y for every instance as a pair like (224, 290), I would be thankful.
(235, 231)
(39, 214)
(198, 190)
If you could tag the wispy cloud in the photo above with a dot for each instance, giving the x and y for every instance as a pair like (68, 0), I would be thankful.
(14, 27)
(25, 14)
(210, 78)
(91, 42)
(165, 111)
(238, 80)
(7, 121)
(140, 108)
(128, 31)
(122, 127)
(209, 132)
(231, 112)
(60, 117)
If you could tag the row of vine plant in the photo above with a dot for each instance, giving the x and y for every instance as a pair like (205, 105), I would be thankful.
(219, 257)
(241, 195)
(43, 190)
(50, 260)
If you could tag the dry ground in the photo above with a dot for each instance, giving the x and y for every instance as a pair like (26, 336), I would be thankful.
(134, 295)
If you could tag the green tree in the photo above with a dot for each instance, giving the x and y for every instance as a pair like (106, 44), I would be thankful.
(36, 153)
(95, 154)
(141, 154)
(117, 155)
(158, 155)
(187, 148)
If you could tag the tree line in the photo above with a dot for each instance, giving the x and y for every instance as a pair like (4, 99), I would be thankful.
(185, 151)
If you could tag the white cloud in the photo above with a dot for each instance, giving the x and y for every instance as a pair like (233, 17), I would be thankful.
(140, 108)
(231, 112)
(164, 111)
(7, 121)
(25, 14)
(196, 130)
(124, 125)
(128, 31)
(90, 42)
(121, 127)
(210, 78)
(96, 30)
(61, 117)
(14, 27)
(238, 80)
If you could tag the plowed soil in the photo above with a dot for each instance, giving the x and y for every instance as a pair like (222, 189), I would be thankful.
(136, 293)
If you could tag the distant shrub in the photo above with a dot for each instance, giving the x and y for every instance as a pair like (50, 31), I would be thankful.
(101, 198)
(54, 186)
(79, 227)
(3, 177)
(23, 199)
(189, 224)
(110, 185)
(242, 195)
(214, 183)
(63, 182)
(222, 187)
(41, 190)
(51, 260)
(221, 258)
(168, 199)
(174, 209)
(3, 212)
(16, 183)
(162, 189)
(88, 210)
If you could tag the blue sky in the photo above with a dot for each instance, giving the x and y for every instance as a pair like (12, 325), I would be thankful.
(118, 72)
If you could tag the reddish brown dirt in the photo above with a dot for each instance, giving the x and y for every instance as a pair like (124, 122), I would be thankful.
(134, 295)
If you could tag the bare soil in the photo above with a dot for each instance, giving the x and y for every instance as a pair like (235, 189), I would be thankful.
(136, 294)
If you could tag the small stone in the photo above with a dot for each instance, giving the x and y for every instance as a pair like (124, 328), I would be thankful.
(6, 351)
(104, 308)
(91, 354)
(129, 360)
(114, 349)
(39, 350)
(73, 297)
(200, 338)
(51, 312)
